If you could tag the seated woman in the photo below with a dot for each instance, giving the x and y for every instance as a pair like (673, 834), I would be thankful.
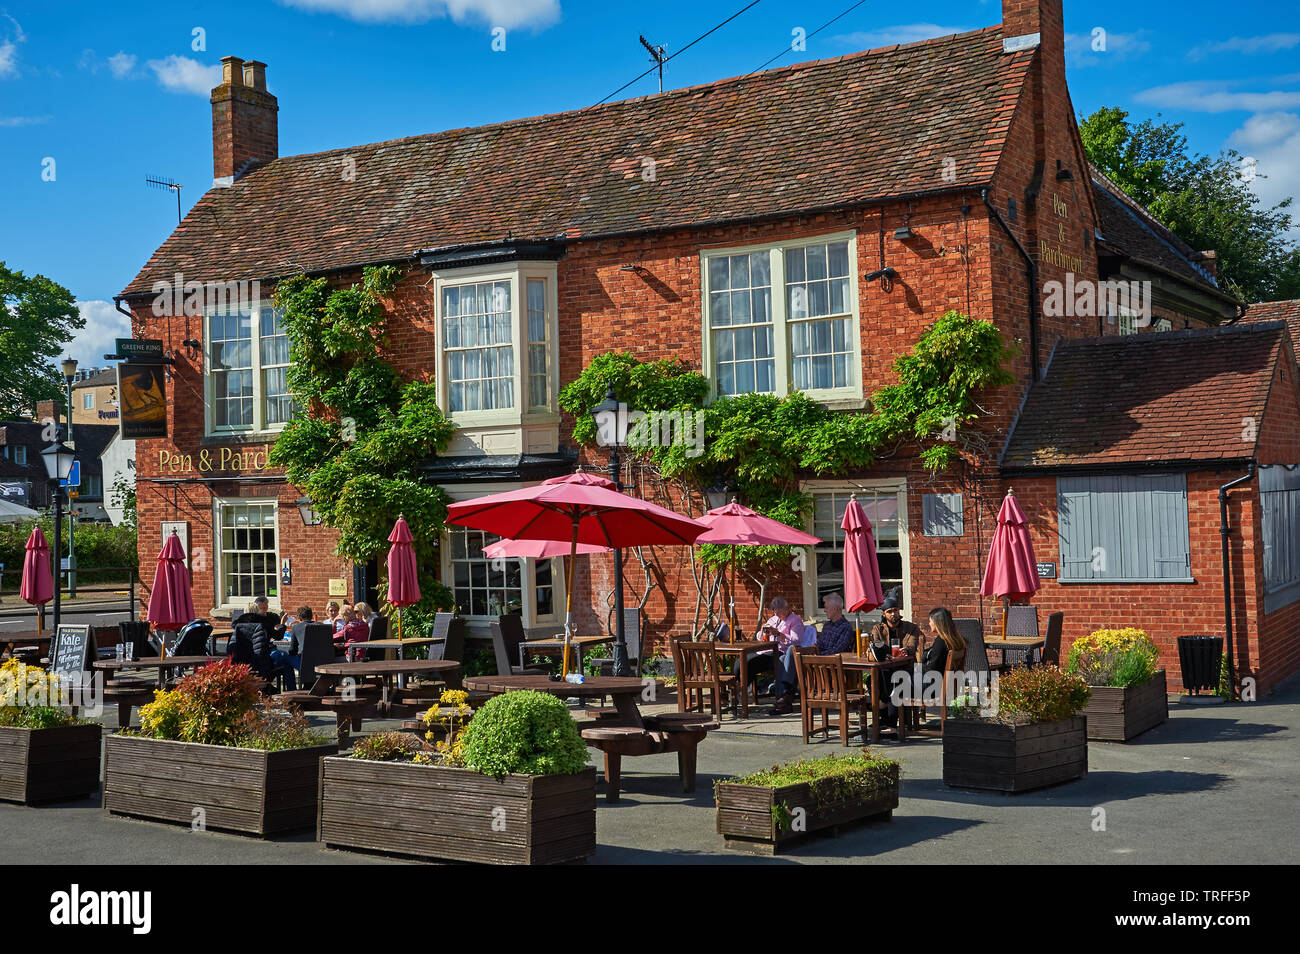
(354, 633)
(947, 642)
(332, 616)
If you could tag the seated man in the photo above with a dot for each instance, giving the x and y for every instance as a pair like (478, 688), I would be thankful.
(259, 612)
(785, 627)
(894, 631)
(298, 635)
(836, 637)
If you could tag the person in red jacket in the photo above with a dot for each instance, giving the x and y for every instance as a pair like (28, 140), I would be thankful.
(354, 632)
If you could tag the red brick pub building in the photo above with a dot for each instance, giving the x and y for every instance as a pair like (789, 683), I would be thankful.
(742, 226)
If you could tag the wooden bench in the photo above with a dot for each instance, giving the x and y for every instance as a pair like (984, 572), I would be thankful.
(672, 732)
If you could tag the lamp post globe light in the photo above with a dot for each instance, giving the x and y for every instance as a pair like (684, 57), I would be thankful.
(70, 375)
(58, 459)
(610, 416)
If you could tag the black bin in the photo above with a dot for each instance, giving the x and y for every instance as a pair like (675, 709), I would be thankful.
(1200, 658)
(136, 632)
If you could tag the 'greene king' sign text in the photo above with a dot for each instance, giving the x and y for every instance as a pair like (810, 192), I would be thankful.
(216, 458)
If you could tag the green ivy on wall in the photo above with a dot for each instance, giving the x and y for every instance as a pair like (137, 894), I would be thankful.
(360, 432)
(761, 444)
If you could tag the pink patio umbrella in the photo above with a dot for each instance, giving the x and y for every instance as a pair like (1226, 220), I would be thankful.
(171, 604)
(861, 569)
(580, 508)
(541, 550)
(735, 525)
(403, 574)
(38, 582)
(1011, 571)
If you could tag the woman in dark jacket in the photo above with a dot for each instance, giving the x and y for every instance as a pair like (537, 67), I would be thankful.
(947, 643)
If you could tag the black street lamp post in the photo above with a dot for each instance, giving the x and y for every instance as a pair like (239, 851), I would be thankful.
(58, 462)
(611, 427)
(70, 375)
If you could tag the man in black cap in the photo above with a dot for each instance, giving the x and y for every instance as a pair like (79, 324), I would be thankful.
(893, 630)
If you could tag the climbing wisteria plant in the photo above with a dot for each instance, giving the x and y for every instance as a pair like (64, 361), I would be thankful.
(360, 432)
(762, 444)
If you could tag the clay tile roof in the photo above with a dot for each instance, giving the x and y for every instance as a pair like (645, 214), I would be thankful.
(806, 137)
(1148, 399)
(1288, 311)
(1131, 230)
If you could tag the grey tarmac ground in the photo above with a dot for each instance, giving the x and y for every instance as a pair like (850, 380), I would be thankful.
(1215, 784)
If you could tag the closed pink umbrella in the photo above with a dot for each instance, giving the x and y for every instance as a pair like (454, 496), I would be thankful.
(38, 582)
(580, 508)
(1011, 571)
(862, 589)
(171, 604)
(735, 525)
(403, 574)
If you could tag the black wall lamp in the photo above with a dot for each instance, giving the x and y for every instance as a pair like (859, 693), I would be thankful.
(1062, 174)
(886, 276)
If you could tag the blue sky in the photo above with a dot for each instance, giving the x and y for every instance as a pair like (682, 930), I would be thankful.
(114, 92)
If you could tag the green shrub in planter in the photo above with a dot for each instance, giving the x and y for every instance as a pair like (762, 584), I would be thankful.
(525, 733)
(1041, 694)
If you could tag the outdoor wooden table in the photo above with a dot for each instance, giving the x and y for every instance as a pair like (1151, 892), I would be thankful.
(555, 644)
(1027, 643)
(25, 639)
(742, 650)
(623, 689)
(401, 645)
(875, 667)
(385, 669)
(164, 666)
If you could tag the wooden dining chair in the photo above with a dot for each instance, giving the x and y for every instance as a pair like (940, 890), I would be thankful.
(697, 671)
(824, 687)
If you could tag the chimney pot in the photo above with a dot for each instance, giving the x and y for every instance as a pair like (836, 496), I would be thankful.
(255, 74)
(232, 71)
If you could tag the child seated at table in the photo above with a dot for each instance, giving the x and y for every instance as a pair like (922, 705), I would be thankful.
(354, 632)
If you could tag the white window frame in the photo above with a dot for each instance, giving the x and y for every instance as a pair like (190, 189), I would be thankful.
(259, 427)
(898, 487)
(219, 553)
(517, 274)
(88, 400)
(528, 573)
(781, 346)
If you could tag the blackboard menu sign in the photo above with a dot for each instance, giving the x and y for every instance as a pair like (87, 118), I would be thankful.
(71, 651)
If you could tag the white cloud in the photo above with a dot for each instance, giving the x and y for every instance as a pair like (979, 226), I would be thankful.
(121, 64)
(180, 74)
(1209, 97)
(8, 59)
(104, 324)
(1081, 49)
(504, 13)
(1271, 141)
(904, 33)
(10, 121)
(1267, 43)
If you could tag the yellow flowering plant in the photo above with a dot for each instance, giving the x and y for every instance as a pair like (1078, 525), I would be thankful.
(29, 697)
(1114, 657)
(449, 715)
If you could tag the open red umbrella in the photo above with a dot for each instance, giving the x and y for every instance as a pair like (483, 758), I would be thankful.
(861, 569)
(38, 582)
(580, 508)
(1011, 571)
(735, 525)
(171, 604)
(403, 574)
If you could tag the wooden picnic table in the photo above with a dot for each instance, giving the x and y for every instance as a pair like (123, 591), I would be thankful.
(154, 662)
(624, 690)
(742, 651)
(869, 664)
(25, 639)
(385, 669)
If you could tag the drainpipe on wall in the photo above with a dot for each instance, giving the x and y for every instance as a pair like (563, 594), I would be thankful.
(1227, 569)
(1031, 273)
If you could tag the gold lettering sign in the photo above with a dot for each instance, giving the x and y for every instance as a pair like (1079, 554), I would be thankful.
(214, 459)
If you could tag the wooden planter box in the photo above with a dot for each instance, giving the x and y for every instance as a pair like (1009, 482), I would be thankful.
(44, 765)
(1119, 714)
(243, 790)
(435, 811)
(1013, 758)
(747, 823)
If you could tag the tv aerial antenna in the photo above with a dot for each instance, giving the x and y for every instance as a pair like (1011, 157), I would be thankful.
(658, 55)
(162, 182)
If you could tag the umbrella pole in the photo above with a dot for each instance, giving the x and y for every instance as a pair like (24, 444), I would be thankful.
(568, 604)
(731, 594)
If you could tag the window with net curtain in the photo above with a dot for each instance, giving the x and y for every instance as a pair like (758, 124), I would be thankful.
(249, 560)
(478, 344)
(248, 360)
(882, 509)
(813, 281)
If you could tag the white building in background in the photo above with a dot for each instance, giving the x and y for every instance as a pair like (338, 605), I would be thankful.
(118, 462)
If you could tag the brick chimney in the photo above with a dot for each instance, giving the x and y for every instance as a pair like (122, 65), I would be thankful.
(244, 131)
(1040, 23)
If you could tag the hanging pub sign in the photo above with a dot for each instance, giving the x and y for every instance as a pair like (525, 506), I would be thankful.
(142, 399)
(139, 349)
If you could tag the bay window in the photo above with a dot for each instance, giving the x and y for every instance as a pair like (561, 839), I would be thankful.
(781, 318)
